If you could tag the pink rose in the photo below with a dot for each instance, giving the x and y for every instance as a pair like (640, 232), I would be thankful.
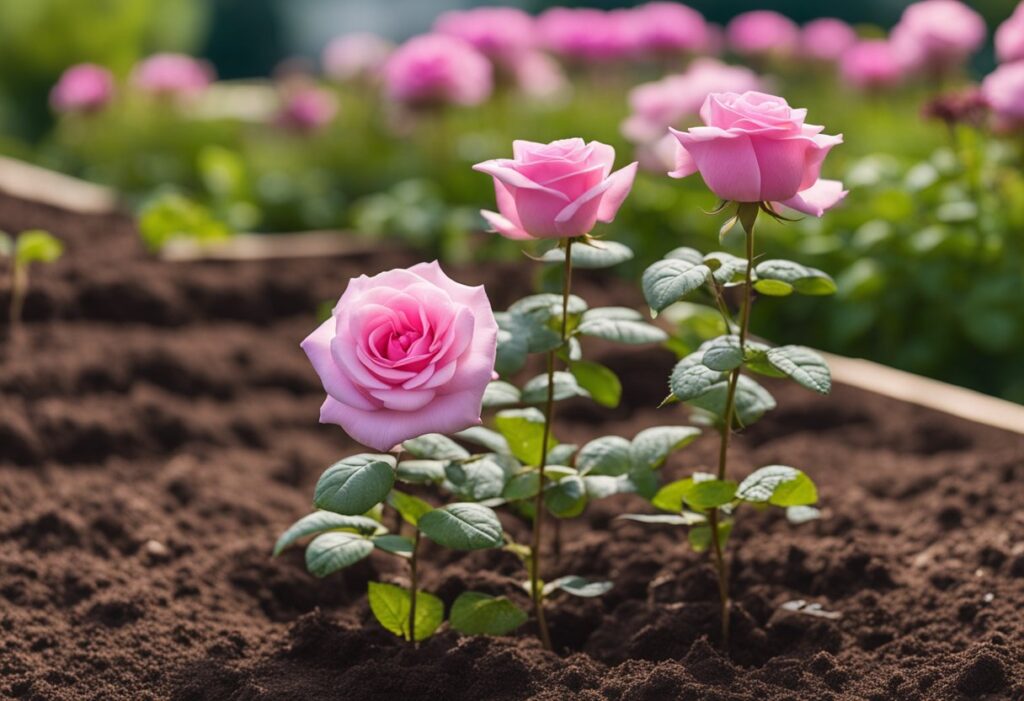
(756, 148)
(358, 56)
(873, 63)
(826, 39)
(585, 34)
(1003, 90)
(172, 74)
(503, 34)
(307, 109)
(435, 69)
(668, 28)
(938, 35)
(85, 87)
(763, 33)
(556, 190)
(405, 352)
(540, 76)
(1010, 37)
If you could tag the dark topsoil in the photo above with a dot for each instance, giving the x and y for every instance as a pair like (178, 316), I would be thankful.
(158, 430)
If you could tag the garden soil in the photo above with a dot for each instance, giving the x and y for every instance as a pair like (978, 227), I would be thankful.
(158, 430)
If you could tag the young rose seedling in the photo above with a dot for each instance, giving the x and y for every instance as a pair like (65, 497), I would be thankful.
(32, 246)
(754, 152)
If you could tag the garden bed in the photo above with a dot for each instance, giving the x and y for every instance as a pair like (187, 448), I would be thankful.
(158, 431)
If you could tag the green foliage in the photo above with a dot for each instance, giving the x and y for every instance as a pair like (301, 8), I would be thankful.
(335, 550)
(355, 484)
(669, 280)
(37, 246)
(410, 507)
(524, 431)
(391, 607)
(600, 382)
(321, 521)
(435, 446)
(171, 216)
(778, 485)
(592, 254)
(535, 391)
(474, 613)
(462, 526)
(577, 586)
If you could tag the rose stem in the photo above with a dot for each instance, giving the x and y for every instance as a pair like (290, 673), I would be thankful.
(413, 583)
(726, 431)
(549, 408)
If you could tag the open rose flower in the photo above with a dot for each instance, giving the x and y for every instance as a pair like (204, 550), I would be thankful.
(938, 35)
(556, 190)
(404, 353)
(84, 87)
(826, 38)
(756, 148)
(172, 74)
(872, 64)
(1010, 37)
(763, 33)
(435, 69)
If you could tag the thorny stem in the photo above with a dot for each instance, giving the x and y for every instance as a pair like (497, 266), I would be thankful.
(413, 584)
(730, 410)
(536, 592)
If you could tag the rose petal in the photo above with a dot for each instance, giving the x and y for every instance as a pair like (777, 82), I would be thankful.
(504, 170)
(621, 184)
(504, 227)
(726, 162)
(317, 347)
(821, 196)
(402, 399)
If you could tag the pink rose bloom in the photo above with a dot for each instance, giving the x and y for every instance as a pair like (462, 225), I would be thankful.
(358, 56)
(435, 69)
(1010, 37)
(172, 74)
(1003, 90)
(85, 87)
(502, 34)
(556, 190)
(872, 63)
(668, 28)
(308, 109)
(540, 76)
(938, 34)
(586, 34)
(826, 39)
(763, 33)
(756, 148)
(656, 106)
(405, 352)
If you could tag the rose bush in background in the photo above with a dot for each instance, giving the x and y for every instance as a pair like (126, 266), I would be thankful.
(435, 70)
(172, 75)
(85, 87)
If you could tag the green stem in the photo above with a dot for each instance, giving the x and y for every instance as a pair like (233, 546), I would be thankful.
(536, 591)
(413, 585)
(721, 565)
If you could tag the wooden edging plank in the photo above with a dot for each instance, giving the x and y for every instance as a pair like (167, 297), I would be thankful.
(36, 184)
(256, 247)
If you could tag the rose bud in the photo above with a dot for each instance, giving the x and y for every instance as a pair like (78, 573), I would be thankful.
(404, 353)
(756, 148)
(172, 75)
(85, 87)
(434, 69)
(556, 190)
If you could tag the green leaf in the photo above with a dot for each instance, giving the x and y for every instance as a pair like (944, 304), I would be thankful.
(652, 446)
(411, 508)
(700, 536)
(802, 514)
(562, 454)
(670, 497)
(602, 384)
(320, 521)
(687, 518)
(435, 446)
(607, 455)
(420, 471)
(524, 431)
(621, 330)
(530, 332)
(396, 544)
(668, 281)
(591, 255)
(492, 440)
(356, 484)
(685, 253)
(577, 586)
(391, 604)
(781, 277)
(511, 353)
(710, 494)
(522, 486)
(618, 313)
(778, 485)
(802, 364)
(535, 391)
(474, 613)
(691, 378)
(462, 526)
(499, 393)
(335, 550)
(567, 497)
(752, 401)
(37, 246)
(725, 267)
(171, 215)
(602, 486)
(477, 479)
(723, 353)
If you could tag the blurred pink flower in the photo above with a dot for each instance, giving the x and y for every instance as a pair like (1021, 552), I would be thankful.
(585, 34)
(667, 28)
(357, 56)
(826, 39)
(539, 75)
(1010, 37)
(172, 74)
(84, 87)
(308, 108)
(763, 33)
(1003, 90)
(654, 107)
(938, 35)
(503, 34)
(434, 69)
(872, 63)
(754, 147)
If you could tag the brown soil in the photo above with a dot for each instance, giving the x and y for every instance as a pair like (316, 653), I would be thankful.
(158, 430)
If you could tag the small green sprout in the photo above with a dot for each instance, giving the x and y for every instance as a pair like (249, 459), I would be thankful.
(31, 246)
